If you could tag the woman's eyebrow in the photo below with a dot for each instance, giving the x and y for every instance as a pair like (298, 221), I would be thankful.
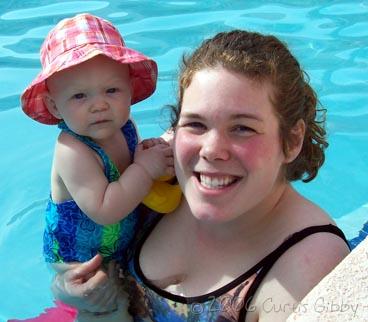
(190, 115)
(237, 116)
(247, 116)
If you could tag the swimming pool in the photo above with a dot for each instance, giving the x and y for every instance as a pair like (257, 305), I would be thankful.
(330, 40)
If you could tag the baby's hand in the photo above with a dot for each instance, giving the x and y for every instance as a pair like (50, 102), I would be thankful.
(155, 156)
(149, 143)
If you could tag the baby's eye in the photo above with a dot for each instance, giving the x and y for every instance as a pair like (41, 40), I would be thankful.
(111, 90)
(79, 96)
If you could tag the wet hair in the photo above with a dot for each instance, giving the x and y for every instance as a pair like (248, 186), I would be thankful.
(264, 58)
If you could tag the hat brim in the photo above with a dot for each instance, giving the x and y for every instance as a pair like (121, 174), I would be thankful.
(143, 74)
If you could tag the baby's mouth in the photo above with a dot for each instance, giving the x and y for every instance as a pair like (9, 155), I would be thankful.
(100, 122)
(216, 181)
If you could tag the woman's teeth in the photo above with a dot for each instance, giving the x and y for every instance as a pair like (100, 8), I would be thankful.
(216, 182)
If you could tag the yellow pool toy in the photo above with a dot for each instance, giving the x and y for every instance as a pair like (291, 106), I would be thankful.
(164, 196)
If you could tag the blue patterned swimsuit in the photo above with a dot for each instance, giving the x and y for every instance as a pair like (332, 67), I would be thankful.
(70, 235)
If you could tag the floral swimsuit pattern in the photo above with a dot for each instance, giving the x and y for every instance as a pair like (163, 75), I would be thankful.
(70, 235)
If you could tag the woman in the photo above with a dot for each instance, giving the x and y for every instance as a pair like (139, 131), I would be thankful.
(243, 245)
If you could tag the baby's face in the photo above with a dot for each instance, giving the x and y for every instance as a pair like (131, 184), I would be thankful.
(93, 98)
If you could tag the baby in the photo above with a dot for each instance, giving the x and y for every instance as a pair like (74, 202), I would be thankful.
(100, 173)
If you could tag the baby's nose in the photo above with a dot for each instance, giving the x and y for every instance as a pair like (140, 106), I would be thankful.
(99, 104)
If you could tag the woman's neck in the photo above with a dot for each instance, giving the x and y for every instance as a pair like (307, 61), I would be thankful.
(249, 226)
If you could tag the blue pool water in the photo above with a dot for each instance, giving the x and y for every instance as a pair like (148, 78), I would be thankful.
(330, 38)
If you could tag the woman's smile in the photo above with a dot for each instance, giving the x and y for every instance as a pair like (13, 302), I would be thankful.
(215, 181)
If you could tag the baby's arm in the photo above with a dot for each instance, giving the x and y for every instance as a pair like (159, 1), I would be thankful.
(81, 171)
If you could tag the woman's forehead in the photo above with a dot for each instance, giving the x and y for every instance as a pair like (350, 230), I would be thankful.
(222, 91)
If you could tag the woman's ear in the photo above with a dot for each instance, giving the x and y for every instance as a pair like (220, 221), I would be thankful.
(51, 106)
(295, 141)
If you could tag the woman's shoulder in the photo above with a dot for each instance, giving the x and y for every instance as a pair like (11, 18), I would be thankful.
(301, 212)
(314, 246)
(320, 249)
(317, 250)
(321, 245)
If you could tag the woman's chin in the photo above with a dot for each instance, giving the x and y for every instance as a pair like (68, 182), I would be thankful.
(210, 215)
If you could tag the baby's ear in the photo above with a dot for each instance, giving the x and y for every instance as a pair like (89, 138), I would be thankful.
(51, 106)
(295, 141)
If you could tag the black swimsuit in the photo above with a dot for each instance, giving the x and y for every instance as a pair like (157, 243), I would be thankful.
(228, 303)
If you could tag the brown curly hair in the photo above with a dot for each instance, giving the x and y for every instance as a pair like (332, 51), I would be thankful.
(265, 58)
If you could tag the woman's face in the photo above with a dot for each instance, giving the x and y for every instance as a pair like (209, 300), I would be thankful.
(228, 153)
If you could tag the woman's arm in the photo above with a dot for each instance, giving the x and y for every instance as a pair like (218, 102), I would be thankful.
(295, 274)
(87, 286)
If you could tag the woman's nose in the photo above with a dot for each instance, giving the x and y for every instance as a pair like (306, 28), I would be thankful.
(214, 146)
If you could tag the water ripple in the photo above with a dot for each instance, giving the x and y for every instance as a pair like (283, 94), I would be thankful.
(9, 102)
(346, 104)
(32, 206)
(350, 76)
(328, 37)
(347, 8)
(12, 45)
(54, 9)
(165, 61)
(352, 125)
(10, 81)
(359, 29)
(182, 3)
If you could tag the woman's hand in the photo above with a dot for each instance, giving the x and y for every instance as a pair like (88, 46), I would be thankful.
(88, 286)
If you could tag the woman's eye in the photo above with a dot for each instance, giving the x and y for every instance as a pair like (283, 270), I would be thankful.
(243, 129)
(195, 125)
(111, 90)
(79, 96)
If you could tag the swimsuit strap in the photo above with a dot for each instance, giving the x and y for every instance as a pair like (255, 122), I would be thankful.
(130, 134)
(264, 266)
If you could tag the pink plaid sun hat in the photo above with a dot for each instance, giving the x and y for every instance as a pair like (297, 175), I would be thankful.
(75, 40)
